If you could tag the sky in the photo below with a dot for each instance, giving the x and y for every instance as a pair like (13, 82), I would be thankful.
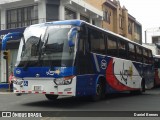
(146, 12)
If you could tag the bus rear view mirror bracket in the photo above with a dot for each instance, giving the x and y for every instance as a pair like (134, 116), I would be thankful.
(72, 35)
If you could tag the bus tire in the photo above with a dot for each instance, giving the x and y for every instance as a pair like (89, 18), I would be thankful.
(154, 84)
(18, 94)
(143, 89)
(100, 90)
(51, 97)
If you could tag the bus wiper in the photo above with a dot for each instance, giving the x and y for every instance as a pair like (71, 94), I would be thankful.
(45, 43)
(39, 49)
(24, 43)
(23, 47)
(38, 45)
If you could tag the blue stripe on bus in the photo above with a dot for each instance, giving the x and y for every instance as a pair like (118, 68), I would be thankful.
(86, 85)
(44, 72)
(66, 22)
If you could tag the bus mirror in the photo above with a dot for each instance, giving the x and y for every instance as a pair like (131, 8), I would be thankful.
(72, 35)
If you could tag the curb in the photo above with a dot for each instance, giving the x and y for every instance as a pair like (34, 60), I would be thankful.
(6, 93)
(4, 90)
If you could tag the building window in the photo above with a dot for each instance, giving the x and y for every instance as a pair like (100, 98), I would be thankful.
(82, 17)
(155, 39)
(130, 27)
(137, 29)
(107, 16)
(120, 22)
(21, 17)
(69, 14)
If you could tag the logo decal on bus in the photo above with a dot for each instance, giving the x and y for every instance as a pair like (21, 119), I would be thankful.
(103, 64)
(25, 83)
(125, 73)
(53, 72)
(18, 71)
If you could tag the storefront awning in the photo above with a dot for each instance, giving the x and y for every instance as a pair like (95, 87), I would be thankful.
(4, 32)
(14, 44)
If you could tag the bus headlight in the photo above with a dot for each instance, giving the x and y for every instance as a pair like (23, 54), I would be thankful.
(63, 81)
(58, 81)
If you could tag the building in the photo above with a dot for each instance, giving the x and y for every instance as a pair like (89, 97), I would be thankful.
(15, 15)
(152, 35)
(118, 20)
(152, 39)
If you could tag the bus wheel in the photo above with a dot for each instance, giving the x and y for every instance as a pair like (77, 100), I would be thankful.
(142, 89)
(51, 97)
(18, 94)
(100, 91)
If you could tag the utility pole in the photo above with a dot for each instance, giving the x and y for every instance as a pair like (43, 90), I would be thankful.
(5, 56)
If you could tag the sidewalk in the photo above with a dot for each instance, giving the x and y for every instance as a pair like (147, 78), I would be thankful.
(155, 91)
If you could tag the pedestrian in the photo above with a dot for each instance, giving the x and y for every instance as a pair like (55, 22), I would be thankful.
(11, 77)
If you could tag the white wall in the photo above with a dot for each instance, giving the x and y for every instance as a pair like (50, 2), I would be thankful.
(3, 19)
(152, 32)
(42, 11)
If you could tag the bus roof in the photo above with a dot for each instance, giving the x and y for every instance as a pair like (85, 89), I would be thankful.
(66, 22)
(156, 56)
(77, 22)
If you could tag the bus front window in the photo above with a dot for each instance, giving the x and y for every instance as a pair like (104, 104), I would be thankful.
(56, 46)
(50, 47)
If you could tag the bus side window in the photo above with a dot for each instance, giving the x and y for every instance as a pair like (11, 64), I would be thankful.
(81, 45)
(158, 66)
(139, 56)
(145, 56)
(112, 47)
(131, 51)
(122, 49)
(150, 57)
(156, 61)
(97, 41)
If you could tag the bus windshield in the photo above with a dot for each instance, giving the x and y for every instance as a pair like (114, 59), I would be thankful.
(46, 46)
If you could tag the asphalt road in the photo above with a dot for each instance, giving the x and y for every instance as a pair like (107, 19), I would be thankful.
(149, 101)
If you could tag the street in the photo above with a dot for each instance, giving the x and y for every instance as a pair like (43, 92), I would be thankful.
(149, 101)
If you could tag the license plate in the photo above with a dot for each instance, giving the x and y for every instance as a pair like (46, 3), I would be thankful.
(37, 88)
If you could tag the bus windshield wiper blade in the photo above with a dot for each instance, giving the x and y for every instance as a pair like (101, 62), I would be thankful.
(45, 43)
(38, 45)
(39, 49)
